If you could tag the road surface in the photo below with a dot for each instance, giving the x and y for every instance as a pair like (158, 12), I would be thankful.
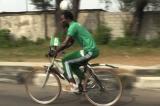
(15, 95)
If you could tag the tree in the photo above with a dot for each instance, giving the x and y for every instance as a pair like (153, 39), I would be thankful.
(75, 11)
(46, 4)
(127, 5)
(138, 17)
(106, 2)
(75, 8)
(138, 6)
(43, 5)
(154, 4)
(57, 17)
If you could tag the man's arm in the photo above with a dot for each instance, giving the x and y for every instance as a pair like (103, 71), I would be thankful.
(66, 44)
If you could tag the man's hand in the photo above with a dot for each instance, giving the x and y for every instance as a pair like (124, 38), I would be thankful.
(52, 52)
(55, 54)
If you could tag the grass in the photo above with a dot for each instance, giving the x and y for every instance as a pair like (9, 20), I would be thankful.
(37, 52)
(131, 51)
(23, 53)
(113, 50)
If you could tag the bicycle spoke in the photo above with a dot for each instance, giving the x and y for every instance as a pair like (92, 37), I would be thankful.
(106, 90)
(43, 89)
(46, 79)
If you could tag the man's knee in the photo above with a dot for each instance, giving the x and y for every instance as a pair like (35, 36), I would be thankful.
(64, 59)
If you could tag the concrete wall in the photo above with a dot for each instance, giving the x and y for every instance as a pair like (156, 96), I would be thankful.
(151, 25)
(31, 24)
(90, 19)
(116, 22)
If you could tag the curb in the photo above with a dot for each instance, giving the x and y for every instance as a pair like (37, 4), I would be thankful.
(148, 82)
(131, 76)
(12, 74)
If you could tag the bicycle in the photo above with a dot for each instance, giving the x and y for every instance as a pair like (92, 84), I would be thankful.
(103, 88)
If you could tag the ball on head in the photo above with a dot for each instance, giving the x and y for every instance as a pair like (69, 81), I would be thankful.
(65, 5)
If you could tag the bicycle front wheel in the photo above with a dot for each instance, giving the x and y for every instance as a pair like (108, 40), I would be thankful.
(39, 93)
(103, 88)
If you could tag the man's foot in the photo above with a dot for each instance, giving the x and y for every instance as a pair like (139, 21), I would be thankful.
(71, 88)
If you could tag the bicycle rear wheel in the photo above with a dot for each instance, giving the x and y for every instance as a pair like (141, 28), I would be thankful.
(43, 95)
(103, 89)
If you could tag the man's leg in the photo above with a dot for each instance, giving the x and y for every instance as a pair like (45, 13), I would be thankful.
(77, 71)
(68, 67)
(71, 62)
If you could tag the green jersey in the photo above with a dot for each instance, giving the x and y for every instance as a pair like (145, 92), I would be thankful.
(82, 36)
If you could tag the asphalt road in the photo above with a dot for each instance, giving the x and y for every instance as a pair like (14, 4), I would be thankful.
(15, 95)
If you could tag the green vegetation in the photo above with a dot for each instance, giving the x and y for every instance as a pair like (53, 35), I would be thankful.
(18, 49)
(25, 50)
(102, 34)
(8, 41)
(134, 42)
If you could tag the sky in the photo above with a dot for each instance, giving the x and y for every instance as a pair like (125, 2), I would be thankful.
(25, 5)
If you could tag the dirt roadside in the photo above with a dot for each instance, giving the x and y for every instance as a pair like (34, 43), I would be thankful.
(146, 60)
(149, 60)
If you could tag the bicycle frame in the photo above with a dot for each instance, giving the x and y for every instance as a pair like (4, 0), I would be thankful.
(91, 82)
(87, 68)
(53, 63)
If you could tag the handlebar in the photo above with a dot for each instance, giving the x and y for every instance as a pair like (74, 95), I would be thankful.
(51, 52)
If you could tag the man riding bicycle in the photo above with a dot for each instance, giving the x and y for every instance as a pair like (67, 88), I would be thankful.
(72, 61)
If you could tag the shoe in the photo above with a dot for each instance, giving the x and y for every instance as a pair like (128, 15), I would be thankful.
(71, 88)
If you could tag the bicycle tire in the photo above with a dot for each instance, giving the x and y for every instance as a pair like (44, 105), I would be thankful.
(46, 95)
(102, 96)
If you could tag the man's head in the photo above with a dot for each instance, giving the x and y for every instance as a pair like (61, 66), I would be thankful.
(66, 18)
